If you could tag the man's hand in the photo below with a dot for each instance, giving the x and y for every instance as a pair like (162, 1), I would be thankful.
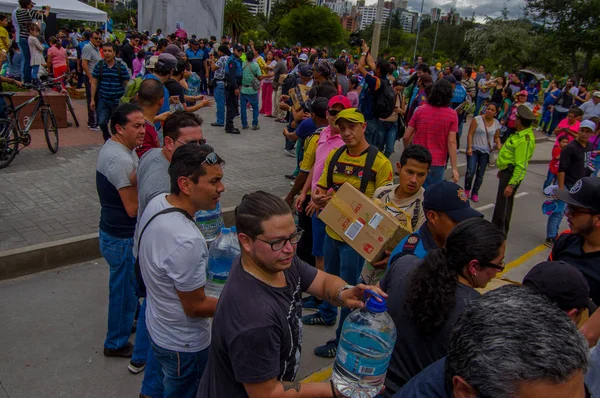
(321, 200)
(508, 191)
(284, 98)
(470, 151)
(384, 261)
(289, 199)
(364, 47)
(354, 298)
(455, 176)
(174, 99)
(206, 102)
(299, 200)
(237, 92)
(17, 83)
(92, 104)
(311, 209)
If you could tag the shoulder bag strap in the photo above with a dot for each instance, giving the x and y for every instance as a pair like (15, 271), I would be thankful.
(487, 136)
(368, 168)
(332, 162)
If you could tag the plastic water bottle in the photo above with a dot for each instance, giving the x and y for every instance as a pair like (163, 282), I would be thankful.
(221, 254)
(210, 223)
(364, 351)
(194, 84)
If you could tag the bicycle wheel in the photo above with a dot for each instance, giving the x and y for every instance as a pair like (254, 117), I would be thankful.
(50, 130)
(72, 110)
(9, 142)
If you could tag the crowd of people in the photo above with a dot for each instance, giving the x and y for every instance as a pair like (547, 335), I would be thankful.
(341, 119)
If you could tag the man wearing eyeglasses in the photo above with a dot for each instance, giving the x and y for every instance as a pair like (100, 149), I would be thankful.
(257, 339)
(90, 56)
(173, 256)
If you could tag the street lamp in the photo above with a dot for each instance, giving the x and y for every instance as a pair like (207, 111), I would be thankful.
(436, 33)
(418, 31)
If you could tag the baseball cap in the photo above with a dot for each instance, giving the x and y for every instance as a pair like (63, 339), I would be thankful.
(585, 193)
(449, 198)
(319, 107)
(560, 282)
(237, 47)
(588, 124)
(525, 113)
(152, 62)
(194, 42)
(523, 92)
(174, 51)
(167, 60)
(438, 65)
(352, 115)
(339, 99)
(303, 57)
(278, 53)
(596, 94)
(305, 70)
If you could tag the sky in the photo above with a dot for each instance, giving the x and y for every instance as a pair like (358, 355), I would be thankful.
(482, 8)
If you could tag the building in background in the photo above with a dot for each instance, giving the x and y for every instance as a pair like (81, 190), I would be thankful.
(409, 20)
(340, 7)
(401, 4)
(367, 15)
(435, 14)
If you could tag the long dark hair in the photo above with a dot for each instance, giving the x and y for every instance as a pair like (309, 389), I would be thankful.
(440, 95)
(431, 293)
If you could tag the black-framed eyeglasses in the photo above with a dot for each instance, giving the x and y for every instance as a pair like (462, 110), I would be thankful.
(574, 210)
(193, 142)
(333, 112)
(279, 244)
(499, 267)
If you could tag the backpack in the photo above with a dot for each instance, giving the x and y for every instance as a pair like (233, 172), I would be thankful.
(238, 70)
(131, 90)
(118, 62)
(385, 100)
(367, 169)
(289, 83)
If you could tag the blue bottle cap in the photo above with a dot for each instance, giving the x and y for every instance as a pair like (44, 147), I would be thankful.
(225, 231)
(233, 230)
(376, 306)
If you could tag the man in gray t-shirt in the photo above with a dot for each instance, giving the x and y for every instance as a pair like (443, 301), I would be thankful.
(90, 55)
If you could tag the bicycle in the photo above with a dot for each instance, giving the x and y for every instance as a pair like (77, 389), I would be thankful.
(60, 82)
(12, 134)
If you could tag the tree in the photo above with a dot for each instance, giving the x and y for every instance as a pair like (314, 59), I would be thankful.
(237, 18)
(311, 26)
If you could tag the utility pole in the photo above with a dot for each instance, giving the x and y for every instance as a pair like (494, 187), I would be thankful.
(377, 29)
(387, 42)
(436, 33)
(418, 31)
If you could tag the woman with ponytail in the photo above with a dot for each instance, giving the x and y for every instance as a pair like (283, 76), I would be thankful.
(425, 299)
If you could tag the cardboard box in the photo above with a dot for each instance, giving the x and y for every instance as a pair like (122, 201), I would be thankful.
(299, 95)
(361, 223)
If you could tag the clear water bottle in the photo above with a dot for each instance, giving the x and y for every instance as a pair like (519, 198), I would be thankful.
(364, 351)
(221, 254)
(193, 84)
(210, 223)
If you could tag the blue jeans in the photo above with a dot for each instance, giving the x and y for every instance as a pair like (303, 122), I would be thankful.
(372, 133)
(142, 340)
(545, 119)
(104, 110)
(343, 261)
(478, 103)
(26, 67)
(436, 174)
(35, 70)
(182, 371)
(557, 117)
(220, 101)
(253, 100)
(122, 301)
(550, 179)
(476, 165)
(555, 219)
(387, 137)
(152, 385)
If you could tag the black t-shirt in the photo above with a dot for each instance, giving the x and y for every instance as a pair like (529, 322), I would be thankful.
(569, 248)
(576, 162)
(413, 351)
(256, 331)
(128, 55)
(174, 88)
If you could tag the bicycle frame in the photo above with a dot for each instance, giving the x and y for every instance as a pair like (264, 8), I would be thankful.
(15, 110)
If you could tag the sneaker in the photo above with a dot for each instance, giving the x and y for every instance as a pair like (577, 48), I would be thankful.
(311, 303)
(217, 125)
(94, 128)
(282, 120)
(290, 176)
(316, 319)
(245, 127)
(124, 352)
(328, 350)
(475, 198)
(136, 367)
(468, 194)
(549, 242)
(290, 152)
(255, 127)
(233, 131)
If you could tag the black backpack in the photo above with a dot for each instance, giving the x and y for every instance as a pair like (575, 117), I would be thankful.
(367, 169)
(289, 83)
(385, 100)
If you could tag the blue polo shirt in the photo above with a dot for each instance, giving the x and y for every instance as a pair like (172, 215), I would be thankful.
(196, 59)
(111, 85)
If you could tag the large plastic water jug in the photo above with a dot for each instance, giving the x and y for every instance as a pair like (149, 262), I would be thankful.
(193, 85)
(364, 351)
(221, 254)
(210, 222)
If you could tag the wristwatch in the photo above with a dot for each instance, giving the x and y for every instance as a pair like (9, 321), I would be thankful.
(513, 186)
(345, 287)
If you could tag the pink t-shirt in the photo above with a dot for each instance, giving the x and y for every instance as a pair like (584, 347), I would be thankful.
(564, 124)
(326, 143)
(58, 56)
(137, 66)
(432, 126)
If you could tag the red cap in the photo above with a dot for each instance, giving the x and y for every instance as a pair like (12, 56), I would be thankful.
(523, 92)
(340, 99)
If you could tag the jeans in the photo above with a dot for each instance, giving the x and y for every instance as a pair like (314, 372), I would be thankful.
(545, 119)
(343, 261)
(220, 101)
(387, 137)
(436, 174)
(373, 131)
(26, 67)
(92, 120)
(122, 301)
(231, 103)
(142, 340)
(557, 117)
(253, 100)
(478, 103)
(551, 178)
(182, 371)
(35, 71)
(476, 165)
(104, 110)
(554, 220)
(152, 384)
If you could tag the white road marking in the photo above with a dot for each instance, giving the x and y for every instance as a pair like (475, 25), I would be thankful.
(490, 205)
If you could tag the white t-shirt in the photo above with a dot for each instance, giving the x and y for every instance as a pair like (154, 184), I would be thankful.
(480, 141)
(173, 256)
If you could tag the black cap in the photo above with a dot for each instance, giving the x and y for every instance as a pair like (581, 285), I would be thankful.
(305, 70)
(319, 107)
(585, 193)
(194, 42)
(451, 199)
(237, 47)
(561, 283)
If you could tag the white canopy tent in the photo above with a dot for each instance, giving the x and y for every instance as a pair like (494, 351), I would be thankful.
(64, 9)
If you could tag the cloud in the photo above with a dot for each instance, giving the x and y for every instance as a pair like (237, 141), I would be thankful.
(466, 8)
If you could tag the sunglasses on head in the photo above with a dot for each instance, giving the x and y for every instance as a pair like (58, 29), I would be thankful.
(211, 159)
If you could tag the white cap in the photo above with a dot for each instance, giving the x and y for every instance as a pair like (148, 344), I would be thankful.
(596, 94)
(303, 57)
(589, 124)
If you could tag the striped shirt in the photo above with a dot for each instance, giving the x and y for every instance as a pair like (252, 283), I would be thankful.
(110, 87)
(24, 18)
